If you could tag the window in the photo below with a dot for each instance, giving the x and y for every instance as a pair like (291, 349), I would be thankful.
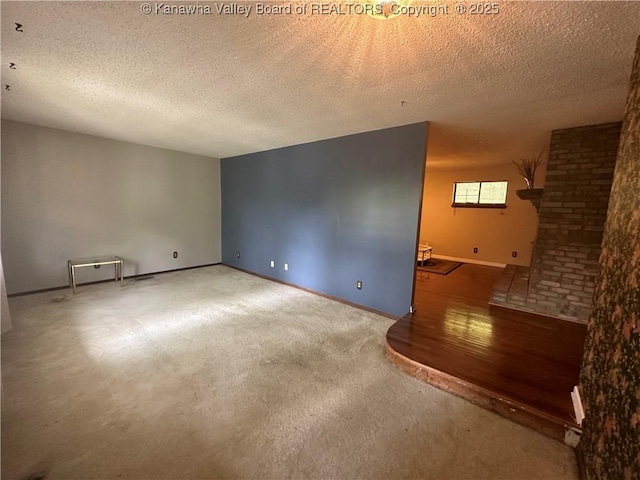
(480, 194)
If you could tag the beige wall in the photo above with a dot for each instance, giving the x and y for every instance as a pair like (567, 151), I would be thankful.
(67, 195)
(457, 156)
(5, 316)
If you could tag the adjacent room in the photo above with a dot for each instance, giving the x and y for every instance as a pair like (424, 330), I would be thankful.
(379, 239)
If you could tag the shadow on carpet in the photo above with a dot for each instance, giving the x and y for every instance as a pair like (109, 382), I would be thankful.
(439, 266)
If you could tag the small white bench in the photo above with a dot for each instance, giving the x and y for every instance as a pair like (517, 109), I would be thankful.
(117, 263)
(424, 254)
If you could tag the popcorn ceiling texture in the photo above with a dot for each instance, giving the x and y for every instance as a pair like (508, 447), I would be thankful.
(610, 374)
(224, 85)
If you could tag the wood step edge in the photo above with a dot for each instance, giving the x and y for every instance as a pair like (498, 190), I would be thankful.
(542, 422)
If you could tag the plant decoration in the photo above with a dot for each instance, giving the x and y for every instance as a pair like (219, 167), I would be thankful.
(527, 167)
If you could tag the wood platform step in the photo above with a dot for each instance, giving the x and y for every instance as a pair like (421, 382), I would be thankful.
(520, 365)
(527, 415)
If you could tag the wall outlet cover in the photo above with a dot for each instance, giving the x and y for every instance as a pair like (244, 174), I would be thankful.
(286, 266)
(273, 264)
(514, 254)
(175, 254)
(475, 249)
(359, 284)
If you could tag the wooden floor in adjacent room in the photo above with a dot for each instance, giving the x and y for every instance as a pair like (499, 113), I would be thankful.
(520, 365)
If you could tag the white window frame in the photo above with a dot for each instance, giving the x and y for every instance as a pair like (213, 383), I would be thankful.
(478, 203)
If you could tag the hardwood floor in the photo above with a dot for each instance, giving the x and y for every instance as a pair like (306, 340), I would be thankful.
(518, 364)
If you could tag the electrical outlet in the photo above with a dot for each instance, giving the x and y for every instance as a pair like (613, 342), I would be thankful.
(514, 254)
(286, 266)
(175, 254)
(237, 254)
(475, 249)
(359, 284)
(273, 264)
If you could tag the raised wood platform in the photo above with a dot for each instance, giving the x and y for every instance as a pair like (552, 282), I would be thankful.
(520, 365)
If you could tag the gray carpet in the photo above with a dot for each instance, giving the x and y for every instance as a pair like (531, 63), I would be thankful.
(214, 373)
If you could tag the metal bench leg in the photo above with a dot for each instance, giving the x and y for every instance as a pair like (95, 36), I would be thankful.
(73, 279)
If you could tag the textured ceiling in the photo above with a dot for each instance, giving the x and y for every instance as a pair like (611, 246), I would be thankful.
(223, 85)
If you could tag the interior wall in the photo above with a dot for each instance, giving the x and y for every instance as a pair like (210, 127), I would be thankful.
(610, 376)
(5, 315)
(336, 211)
(5, 322)
(452, 157)
(67, 195)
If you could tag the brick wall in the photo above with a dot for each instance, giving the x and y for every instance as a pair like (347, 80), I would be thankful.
(572, 217)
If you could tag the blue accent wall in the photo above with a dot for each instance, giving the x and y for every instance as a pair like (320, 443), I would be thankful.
(336, 211)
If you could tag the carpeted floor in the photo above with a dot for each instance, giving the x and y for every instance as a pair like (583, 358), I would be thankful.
(439, 266)
(213, 373)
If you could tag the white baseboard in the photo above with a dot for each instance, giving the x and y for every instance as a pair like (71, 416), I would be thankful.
(469, 260)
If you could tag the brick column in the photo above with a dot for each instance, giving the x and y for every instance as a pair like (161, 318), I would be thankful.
(572, 217)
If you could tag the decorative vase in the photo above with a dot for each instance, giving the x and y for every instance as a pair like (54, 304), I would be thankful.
(529, 182)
